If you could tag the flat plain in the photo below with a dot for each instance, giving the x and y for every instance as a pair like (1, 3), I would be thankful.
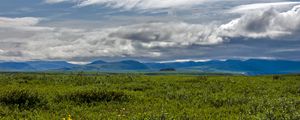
(80, 96)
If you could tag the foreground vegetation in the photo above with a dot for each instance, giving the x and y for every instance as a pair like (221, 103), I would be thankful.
(129, 96)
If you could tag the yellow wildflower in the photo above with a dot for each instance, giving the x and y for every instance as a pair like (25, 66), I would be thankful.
(69, 117)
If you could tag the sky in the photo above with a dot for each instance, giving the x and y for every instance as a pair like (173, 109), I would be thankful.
(149, 30)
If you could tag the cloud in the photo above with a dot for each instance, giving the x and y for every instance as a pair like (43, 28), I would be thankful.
(265, 24)
(261, 7)
(135, 4)
(287, 50)
(55, 1)
(140, 40)
(25, 39)
(25, 21)
(170, 34)
(143, 4)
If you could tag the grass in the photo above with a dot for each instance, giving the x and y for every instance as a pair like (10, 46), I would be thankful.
(138, 97)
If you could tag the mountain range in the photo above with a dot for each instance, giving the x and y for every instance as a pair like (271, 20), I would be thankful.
(249, 67)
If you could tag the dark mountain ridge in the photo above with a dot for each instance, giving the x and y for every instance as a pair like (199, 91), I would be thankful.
(250, 67)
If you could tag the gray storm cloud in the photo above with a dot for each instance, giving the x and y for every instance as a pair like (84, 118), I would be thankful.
(24, 39)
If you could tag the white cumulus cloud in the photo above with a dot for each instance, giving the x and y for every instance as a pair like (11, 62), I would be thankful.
(265, 24)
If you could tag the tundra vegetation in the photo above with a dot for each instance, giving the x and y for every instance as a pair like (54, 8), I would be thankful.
(83, 96)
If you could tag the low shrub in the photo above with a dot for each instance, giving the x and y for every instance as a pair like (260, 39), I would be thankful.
(202, 78)
(23, 99)
(277, 77)
(137, 88)
(94, 96)
(25, 77)
(196, 79)
(222, 100)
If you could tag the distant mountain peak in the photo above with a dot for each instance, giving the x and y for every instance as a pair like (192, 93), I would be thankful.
(129, 61)
(98, 62)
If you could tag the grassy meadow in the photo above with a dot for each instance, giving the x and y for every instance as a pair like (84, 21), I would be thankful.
(41, 96)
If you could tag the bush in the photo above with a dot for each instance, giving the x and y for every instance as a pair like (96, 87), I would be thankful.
(94, 96)
(204, 78)
(23, 99)
(276, 77)
(25, 77)
(137, 87)
(196, 79)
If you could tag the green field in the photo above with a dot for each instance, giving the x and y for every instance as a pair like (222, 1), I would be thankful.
(143, 97)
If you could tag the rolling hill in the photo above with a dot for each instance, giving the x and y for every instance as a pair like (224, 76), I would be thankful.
(34, 65)
(249, 67)
(127, 65)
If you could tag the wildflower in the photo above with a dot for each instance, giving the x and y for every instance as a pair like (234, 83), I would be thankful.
(69, 117)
